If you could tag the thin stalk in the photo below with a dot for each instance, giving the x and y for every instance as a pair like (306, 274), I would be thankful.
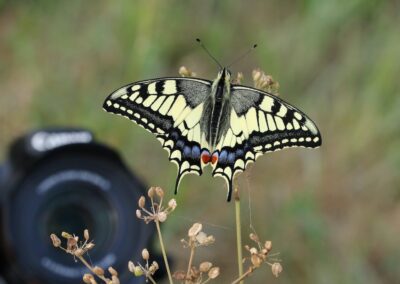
(190, 261)
(151, 279)
(238, 234)
(163, 252)
(240, 279)
(83, 260)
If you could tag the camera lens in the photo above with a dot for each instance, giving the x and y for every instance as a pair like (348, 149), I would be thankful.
(72, 191)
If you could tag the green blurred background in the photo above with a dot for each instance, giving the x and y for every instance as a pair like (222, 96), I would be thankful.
(333, 213)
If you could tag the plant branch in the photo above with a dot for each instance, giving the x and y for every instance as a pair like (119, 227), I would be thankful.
(163, 251)
(83, 260)
(247, 273)
(238, 234)
(192, 249)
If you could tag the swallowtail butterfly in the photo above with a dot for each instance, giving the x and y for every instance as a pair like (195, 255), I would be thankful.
(217, 123)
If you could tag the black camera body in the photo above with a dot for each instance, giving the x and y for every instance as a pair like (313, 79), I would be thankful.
(58, 180)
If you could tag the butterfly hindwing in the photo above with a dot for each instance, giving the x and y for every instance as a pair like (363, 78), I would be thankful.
(171, 109)
(260, 122)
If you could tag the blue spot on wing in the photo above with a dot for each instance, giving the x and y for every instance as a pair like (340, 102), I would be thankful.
(231, 158)
(195, 152)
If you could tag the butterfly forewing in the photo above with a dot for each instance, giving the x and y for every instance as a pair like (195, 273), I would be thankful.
(171, 108)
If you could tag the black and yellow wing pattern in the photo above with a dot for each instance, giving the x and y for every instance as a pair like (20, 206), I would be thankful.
(171, 109)
(200, 122)
(259, 123)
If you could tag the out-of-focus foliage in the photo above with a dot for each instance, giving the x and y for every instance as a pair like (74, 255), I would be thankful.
(333, 213)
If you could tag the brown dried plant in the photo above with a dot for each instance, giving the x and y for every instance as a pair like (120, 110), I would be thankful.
(259, 255)
(78, 249)
(205, 271)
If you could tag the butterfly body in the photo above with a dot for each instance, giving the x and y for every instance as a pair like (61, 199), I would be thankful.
(215, 123)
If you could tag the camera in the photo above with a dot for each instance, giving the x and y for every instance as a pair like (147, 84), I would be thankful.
(62, 179)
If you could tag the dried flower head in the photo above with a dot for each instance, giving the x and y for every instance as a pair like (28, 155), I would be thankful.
(195, 229)
(264, 82)
(145, 254)
(268, 245)
(55, 240)
(162, 216)
(88, 278)
(112, 271)
(142, 201)
(186, 72)
(179, 275)
(98, 270)
(276, 269)
(205, 266)
(213, 273)
(157, 212)
(159, 192)
(172, 204)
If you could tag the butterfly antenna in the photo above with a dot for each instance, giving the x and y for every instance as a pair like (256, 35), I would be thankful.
(209, 54)
(243, 55)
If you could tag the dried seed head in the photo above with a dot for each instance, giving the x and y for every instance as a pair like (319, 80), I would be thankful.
(213, 273)
(98, 271)
(153, 267)
(186, 72)
(201, 237)
(72, 243)
(86, 234)
(205, 266)
(159, 192)
(268, 245)
(66, 235)
(138, 213)
(151, 192)
(195, 229)
(162, 216)
(183, 71)
(254, 237)
(112, 271)
(253, 251)
(256, 74)
(115, 279)
(131, 266)
(256, 260)
(276, 269)
(142, 201)
(145, 254)
(136, 270)
(55, 240)
(179, 275)
(79, 252)
(172, 204)
(87, 278)
(89, 246)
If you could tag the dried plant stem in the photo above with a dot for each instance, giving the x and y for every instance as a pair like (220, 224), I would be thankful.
(190, 261)
(163, 251)
(91, 269)
(151, 279)
(247, 273)
(238, 234)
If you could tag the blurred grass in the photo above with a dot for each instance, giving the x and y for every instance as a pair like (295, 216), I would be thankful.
(333, 213)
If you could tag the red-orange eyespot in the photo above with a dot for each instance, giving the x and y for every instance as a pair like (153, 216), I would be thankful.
(205, 157)
(214, 158)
